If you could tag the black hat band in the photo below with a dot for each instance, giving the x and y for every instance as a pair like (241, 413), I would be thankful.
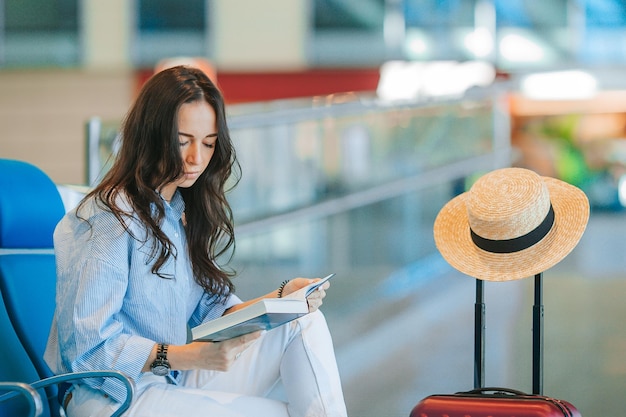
(519, 243)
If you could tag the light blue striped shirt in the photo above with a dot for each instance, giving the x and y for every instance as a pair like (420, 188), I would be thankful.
(111, 309)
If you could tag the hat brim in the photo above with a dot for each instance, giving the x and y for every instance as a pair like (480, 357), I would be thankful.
(453, 240)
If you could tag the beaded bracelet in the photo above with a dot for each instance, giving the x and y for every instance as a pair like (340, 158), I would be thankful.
(281, 288)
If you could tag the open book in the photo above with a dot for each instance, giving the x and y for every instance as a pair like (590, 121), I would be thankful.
(264, 314)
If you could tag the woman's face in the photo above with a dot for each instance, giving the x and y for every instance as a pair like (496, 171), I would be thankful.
(197, 134)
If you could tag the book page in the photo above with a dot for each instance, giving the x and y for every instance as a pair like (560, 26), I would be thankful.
(266, 321)
(264, 314)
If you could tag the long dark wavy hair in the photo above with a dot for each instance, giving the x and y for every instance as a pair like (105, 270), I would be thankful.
(150, 157)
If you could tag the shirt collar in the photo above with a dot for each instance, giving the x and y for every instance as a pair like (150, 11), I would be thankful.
(177, 204)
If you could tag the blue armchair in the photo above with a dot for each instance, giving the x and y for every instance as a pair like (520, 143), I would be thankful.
(34, 403)
(30, 208)
(17, 370)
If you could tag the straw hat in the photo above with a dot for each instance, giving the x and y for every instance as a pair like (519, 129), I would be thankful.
(511, 224)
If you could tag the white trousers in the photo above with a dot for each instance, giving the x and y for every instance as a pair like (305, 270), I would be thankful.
(290, 371)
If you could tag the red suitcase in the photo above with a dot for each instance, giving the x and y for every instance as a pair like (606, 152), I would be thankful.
(499, 402)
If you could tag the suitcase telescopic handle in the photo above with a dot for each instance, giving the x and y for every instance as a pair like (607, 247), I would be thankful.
(538, 332)
(479, 336)
(537, 336)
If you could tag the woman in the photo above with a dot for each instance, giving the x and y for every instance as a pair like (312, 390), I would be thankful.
(137, 264)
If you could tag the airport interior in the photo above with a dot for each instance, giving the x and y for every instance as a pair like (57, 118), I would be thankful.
(355, 122)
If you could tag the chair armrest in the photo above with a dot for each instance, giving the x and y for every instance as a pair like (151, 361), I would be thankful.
(128, 384)
(32, 396)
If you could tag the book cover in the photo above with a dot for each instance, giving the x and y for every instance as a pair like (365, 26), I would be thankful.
(264, 314)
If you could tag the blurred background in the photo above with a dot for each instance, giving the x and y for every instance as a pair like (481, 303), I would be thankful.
(355, 121)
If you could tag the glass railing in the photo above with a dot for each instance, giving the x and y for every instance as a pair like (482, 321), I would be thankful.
(296, 158)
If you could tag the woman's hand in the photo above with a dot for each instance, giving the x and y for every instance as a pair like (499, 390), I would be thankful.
(315, 299)
(216, 356)
(220, 356)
